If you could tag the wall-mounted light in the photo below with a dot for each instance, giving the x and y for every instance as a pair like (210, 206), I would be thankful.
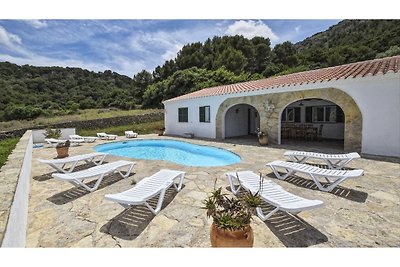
(237, 111)
(301, 104)
(269, 107)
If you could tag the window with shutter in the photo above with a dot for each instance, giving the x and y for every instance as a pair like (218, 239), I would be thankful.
(182, 114)
(204, 114)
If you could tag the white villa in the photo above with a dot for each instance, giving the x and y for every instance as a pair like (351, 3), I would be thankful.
(357, 104)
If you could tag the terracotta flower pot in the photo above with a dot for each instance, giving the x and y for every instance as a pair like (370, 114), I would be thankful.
(263, 140)
(160, 132)
(62, 152)
(231, 238)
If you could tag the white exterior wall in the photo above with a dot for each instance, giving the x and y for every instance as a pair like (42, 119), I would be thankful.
(200, 129)
(38, 135)
(379, 102)
(378, 98)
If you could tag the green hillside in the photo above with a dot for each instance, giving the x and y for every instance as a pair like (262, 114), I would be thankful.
(27, 92)
(351, 41)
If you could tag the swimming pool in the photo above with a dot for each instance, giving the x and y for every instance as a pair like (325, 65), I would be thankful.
(179, 152)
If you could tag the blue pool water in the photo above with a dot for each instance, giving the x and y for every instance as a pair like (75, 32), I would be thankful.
(176, 151)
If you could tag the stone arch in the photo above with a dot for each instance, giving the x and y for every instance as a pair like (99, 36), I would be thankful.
(228, 103)
(270, 119)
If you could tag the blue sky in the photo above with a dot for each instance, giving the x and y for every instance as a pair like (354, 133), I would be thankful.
(128, 46)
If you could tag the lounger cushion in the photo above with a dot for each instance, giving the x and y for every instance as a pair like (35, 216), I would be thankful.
(73, 158)
(92, 172)
(309, 169)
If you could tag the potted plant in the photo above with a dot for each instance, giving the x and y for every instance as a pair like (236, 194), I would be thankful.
(262, 137)
(231, 219)
(160, 131)
(61, 147)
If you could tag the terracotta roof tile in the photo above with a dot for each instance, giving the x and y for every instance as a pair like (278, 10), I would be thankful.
(352, 70)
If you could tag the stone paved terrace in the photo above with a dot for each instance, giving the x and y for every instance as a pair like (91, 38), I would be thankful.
(364, 212)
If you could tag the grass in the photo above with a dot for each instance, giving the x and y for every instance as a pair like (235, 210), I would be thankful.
(87, 114)
(6, 147)
(140, 128)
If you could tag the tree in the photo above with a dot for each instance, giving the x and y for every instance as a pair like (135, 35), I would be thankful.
(87, 103)
(392, 51)
(190, 56)
(233, 60)
(272, 69)
(22, 112)
(140, 82)
(262, 57)
(161, 73)
(154, 94)
(286, 54)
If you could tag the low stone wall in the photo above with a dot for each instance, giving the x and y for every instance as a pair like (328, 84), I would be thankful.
(93, 124)
(116, 121)
(14, 133)
(14, 193)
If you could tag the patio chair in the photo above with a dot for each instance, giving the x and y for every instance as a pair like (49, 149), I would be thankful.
(271, 193)
(60, 164)
(319, 132)
(130, 134)
(86, 139)
(149, 187)
(289, 168)
(334, 161)
(77, 178)
(54, 142)
(105, 136)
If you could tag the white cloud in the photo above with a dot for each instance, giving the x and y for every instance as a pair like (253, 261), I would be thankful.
(172, 52)
(127, 66)
(37, 24)
(160, 45)
(250, 29)
(8, 39)
(37, 60)
(118, 46)
(120, 64)
(160, 39)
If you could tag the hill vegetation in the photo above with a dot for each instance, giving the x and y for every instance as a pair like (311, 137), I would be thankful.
(27, 92)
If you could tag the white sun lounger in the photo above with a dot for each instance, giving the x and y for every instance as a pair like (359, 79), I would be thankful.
(77, 178)
(271, 193)
(147, 188)
(54, 142)
(105, 136)
(86, 139)
(334, 161)
(130, 134)
(289, 168)
(61, 164)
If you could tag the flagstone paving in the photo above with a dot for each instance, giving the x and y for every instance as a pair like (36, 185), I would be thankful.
(363, 212)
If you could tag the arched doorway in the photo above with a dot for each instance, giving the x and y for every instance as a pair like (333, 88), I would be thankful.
(313, 120)
(270, 115)
(241, 120)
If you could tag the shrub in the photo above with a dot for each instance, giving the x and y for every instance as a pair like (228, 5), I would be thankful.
(52, 133)
(22, 112)
(231, 213)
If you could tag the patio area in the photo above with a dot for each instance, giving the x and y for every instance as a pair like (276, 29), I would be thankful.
(362, 212)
